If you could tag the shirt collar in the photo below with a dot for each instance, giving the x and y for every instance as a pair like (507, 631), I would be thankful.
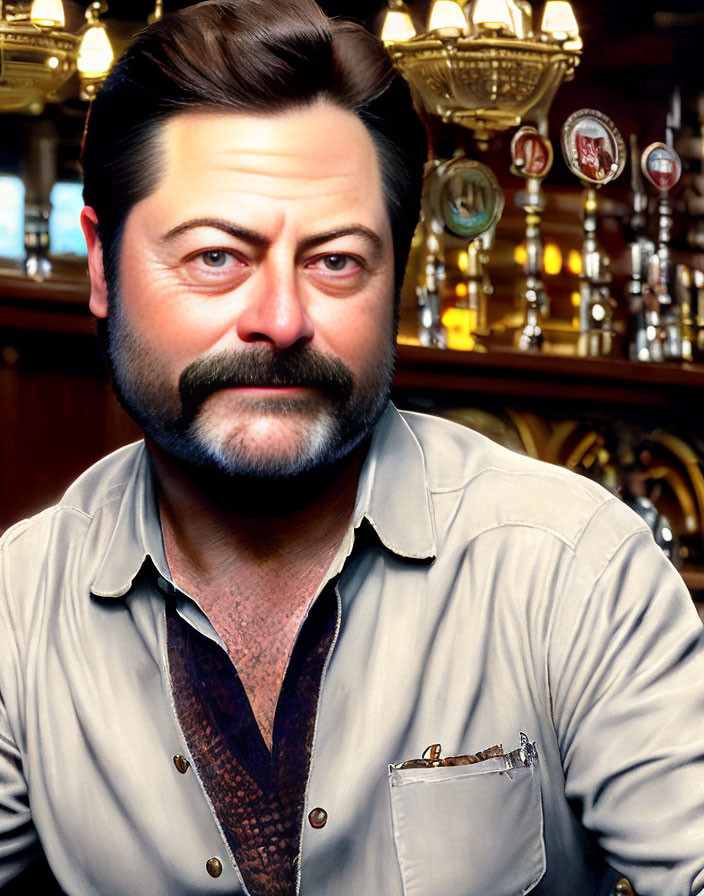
(392, 495)
(136, 535)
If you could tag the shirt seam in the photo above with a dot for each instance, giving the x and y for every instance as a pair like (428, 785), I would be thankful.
(556, 477)
(522, 524)
(21, 527)
(427, 490)
(119, 487)
(589, 589)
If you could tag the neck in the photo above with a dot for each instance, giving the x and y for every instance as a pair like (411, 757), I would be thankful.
(211, 521)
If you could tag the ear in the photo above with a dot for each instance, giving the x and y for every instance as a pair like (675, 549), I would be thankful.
(98, 287)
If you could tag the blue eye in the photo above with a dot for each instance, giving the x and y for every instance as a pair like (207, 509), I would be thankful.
(215, 258)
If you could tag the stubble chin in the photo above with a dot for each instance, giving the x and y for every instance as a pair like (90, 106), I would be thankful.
(264, 441)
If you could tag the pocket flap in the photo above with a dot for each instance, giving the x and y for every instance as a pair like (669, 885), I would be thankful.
(469, 830)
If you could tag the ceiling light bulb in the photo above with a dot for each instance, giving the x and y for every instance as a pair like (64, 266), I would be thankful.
(47, 13)
(493, 15)
(95, 55)
(559, 20)
(522, 17)
(397, 27)
(446, 14)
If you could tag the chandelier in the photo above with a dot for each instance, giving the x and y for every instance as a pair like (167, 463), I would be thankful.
(38, 55)
(481, 64)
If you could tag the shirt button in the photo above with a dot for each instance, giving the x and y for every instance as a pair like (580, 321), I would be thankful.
(164, 586)
(318, 818)
(181, 764)
(214, 867)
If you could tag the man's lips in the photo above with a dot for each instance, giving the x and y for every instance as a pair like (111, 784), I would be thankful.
(261, 396)
(273, 391)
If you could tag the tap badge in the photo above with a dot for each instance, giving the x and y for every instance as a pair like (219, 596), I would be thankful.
(593, 147)
(661, 166)
(531, 153)
(464, 198)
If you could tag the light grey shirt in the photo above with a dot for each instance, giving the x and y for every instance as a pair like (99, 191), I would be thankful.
(481, 594)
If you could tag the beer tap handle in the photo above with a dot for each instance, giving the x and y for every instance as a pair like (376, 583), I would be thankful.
(595, 153)
(662, 167)
(532, 158)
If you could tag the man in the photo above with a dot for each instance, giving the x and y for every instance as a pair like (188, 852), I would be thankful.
(226, 649)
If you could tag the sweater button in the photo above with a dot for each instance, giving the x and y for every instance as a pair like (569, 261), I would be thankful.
(318, 818)
(214, 867)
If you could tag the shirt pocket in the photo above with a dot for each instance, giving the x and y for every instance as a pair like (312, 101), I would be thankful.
(472, 830)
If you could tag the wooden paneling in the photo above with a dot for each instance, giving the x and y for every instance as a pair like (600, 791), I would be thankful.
(54, 425)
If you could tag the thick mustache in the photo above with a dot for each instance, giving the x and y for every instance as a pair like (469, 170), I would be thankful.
(261, 366)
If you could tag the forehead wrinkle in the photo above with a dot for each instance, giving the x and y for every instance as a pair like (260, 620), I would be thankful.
(232, 151)
(281, 189)
(213, 156)
(246, 177)
(227, 164)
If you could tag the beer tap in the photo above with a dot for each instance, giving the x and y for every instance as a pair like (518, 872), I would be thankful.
(683, 298)
(644, 319)
(432, 273)
(698, 279)
(532, 158)
(428, 291)
(595, 152)
(462, 200)
(662, 167)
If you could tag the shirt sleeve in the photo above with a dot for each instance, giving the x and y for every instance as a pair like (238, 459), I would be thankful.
(19, 845)
(626, 670)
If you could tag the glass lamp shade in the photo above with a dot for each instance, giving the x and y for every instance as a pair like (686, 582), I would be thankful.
(95, 55)
(397, 27)
(446, 14)
(559, 20)
(522, 17)
(493, 15)
(47, 13)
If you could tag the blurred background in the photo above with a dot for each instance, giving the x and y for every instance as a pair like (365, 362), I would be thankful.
(613, 278)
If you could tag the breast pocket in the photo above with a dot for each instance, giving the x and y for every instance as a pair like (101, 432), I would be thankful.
(468, 830)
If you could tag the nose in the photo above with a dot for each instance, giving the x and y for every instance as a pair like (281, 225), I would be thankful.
(275, 311)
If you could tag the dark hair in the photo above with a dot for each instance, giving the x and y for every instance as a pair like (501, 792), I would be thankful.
(246, 56)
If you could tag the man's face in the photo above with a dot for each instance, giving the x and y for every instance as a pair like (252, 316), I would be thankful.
(253, 329)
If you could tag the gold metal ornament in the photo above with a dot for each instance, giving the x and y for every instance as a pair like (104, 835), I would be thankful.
(38, 56)
(485, 77)
(36, 60)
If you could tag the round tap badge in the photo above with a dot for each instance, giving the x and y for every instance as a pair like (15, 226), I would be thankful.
(593, 147)
(467, 198)
(531, 153)
(661, 165)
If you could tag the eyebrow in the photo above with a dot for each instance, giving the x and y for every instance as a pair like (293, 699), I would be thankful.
(369, 236)
(234, 230)
(258, 239)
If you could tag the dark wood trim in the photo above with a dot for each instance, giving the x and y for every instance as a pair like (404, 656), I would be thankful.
(516, 374)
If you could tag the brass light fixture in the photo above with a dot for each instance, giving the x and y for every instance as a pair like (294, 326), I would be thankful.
(95, 54)
(481, 64)
(38, 55)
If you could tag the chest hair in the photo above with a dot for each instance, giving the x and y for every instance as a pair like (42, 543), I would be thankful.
(258, 610)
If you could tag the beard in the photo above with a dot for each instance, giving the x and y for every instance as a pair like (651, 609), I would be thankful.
(271, 440)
